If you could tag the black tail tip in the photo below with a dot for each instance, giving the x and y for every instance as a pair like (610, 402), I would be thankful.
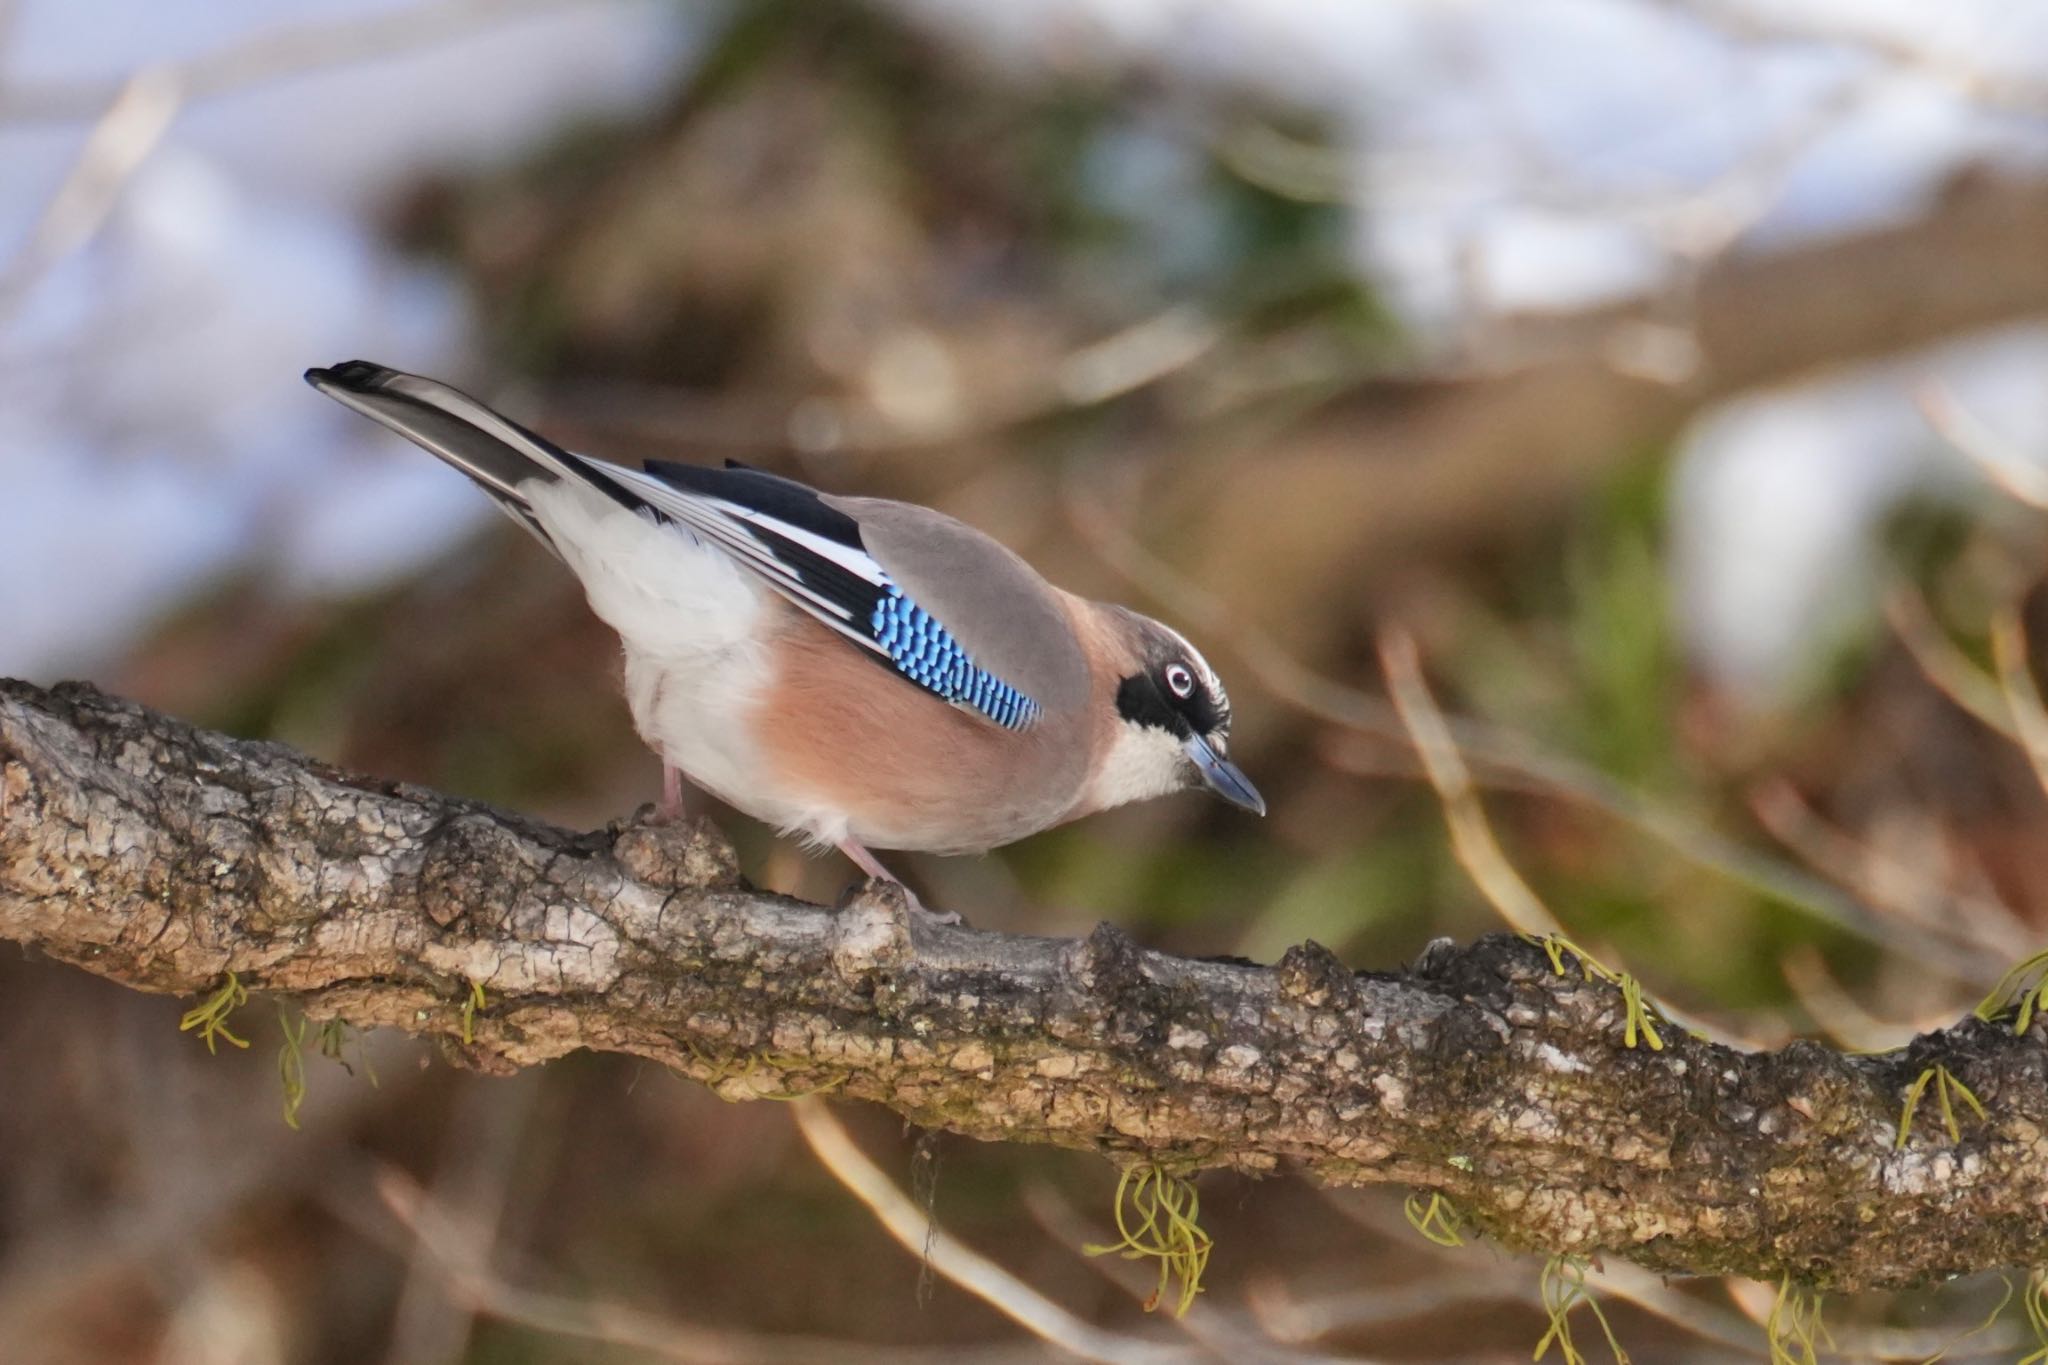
(356, 375)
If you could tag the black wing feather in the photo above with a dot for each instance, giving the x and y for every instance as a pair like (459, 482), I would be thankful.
(757, 490)
(833, 582)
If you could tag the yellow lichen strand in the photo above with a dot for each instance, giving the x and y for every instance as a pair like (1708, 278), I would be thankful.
(1946, 1089)
(1157, 1216)
(1438, 1219)
(1794, 1328)
(2035, 1301)
(210, 1017)
(1641, 1013)
(291, 1064)
(2015, 990)
(1563, 1288)
(1990, 1321)
(781, 1064)
(750, 1068)
(473, 1002)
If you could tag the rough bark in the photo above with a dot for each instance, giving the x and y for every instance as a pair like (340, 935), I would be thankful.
(163, 857)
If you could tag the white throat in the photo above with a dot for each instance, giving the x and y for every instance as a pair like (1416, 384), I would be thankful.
(1144, 761)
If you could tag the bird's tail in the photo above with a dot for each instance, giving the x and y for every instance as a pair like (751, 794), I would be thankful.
(492, 449)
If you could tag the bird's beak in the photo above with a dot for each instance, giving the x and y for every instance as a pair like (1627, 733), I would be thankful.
(1223, 776)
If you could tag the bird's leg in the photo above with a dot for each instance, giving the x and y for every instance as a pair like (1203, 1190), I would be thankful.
(671, 793)
(868, 863)
(663, 846)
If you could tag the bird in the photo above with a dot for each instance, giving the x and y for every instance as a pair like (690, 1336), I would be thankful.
(857, 672)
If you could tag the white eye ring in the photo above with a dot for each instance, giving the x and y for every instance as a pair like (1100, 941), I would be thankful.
(1179, 681)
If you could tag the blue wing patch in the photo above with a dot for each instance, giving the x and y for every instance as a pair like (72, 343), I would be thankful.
(923, 652)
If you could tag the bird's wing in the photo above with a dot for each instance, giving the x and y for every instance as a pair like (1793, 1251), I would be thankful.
(940, 603)
(998, 607)
(921, 592)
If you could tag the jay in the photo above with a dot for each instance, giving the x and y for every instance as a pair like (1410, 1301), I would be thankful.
(856, 671)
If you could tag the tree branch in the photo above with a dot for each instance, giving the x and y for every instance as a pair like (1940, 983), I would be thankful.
(1424, 461)
(162, 857)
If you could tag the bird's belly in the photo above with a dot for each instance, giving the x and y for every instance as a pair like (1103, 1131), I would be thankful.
(961, 829)
(824, 782)
(700, 714)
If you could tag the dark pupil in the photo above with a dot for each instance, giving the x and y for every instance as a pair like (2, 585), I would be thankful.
(1177, 678)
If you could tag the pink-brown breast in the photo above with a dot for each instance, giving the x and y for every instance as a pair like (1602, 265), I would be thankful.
(908, 770)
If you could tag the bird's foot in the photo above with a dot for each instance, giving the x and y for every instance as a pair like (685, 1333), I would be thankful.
(918, 907)
(868, 863)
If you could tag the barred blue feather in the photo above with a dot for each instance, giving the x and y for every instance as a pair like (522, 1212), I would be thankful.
(923, 651)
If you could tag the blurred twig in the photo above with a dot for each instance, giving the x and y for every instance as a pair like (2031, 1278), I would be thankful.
(1941, 663)
(132, 116)
(276, 53)
(1901, 886)
(2021, 478)
(1479, 853)
(463, 1260)
(1292, 167)
(1098, 372)
(194, 1180)
(1695, 226)
(1294, 1314)
(135, 120)
(1833, 1010)
(2018, 712)
(1924, 1346)
(913, 1229)
(2022, 695)
(1471, 833)
(480, 1152)
(1452, 457)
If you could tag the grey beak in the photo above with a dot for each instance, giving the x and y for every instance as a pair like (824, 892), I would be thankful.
(1223, 776)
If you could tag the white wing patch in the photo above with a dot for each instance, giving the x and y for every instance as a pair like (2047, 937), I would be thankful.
(730, 527)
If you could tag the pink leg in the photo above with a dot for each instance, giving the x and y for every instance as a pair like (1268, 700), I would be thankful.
(867, 863)
(671, 793)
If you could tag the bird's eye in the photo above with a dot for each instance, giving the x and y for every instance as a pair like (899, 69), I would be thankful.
(1179, 681)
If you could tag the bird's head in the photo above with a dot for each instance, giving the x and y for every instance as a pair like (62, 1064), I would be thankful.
(1172, 721)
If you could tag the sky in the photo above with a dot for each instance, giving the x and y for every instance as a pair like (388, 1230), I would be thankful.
(154, 431)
